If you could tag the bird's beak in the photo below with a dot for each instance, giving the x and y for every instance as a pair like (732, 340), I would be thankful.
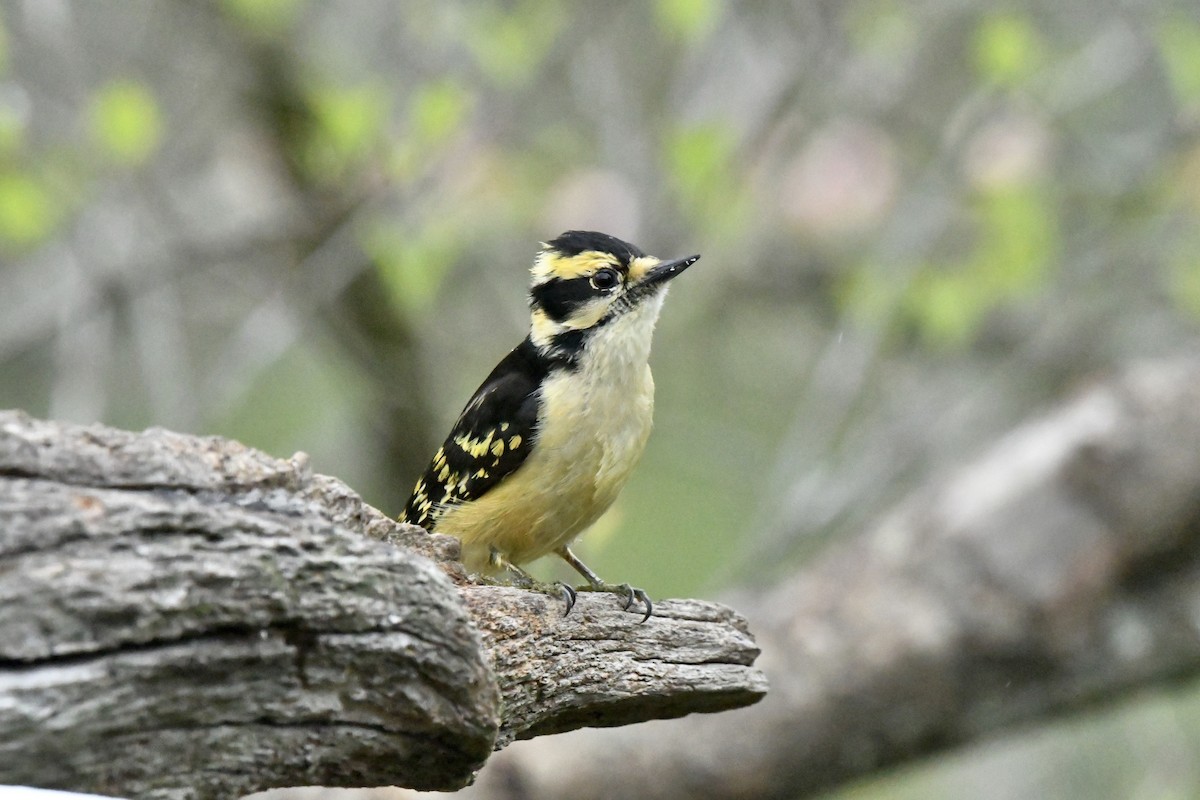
(664, 271)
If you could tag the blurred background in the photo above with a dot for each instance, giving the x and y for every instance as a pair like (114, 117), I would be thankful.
(307, 226)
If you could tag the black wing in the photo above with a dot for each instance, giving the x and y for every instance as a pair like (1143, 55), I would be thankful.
(492, 437)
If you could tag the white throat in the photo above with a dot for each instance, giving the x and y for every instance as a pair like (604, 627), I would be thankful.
(616, 352)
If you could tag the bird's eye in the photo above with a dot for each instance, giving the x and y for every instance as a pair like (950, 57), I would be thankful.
(605, 279)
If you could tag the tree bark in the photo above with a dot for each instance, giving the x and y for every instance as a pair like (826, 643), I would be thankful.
(1058, 571)
(185, 617)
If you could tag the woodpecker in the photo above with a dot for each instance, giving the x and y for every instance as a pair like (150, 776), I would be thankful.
(546, 443)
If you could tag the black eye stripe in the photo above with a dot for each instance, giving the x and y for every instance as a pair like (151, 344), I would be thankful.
(558, 297)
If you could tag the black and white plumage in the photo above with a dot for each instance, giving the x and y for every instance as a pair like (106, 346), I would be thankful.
(551, 436)
(488, 442)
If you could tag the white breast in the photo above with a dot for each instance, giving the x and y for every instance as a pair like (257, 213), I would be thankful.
(596, 420)
(593, 423)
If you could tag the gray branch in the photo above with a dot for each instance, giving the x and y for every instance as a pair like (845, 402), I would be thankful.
(1059, 570)
(187, 617)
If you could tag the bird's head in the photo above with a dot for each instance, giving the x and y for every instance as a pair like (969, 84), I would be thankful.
(584, 281)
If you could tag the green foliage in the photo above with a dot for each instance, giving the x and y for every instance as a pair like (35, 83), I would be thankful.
(436, 111)
(264, 16)
(302, 401)
(701, 169)
(881, 27)
(1018, 238)
(1183, 260)
(27, 214)
(126, 121)
(1007, 48)
(1179, 41)
(947, 305)
(12, 133)
(510, 44)
(868, 294)
(1184, 277)
(1014, 246)
(412, 264)
(1179, 190)
(690, 20)
(348, 125)
(3, 45)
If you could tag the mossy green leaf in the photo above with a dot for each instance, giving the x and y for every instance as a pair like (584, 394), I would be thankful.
(867, 296)
(701, 169)
(885, 28)
(1179, 42)
(1007, 48)
(438, 110)
(348, 124)
(126, 121)
(1183, 277)
(687, 19)
(947, 306)
(264, 16)
(12, 132)
(1019, 235)
(412, 265)
(3, 45)
(26, 210)
(510, 44)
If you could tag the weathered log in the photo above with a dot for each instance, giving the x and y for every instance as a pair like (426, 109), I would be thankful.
(188, 617)
(1058, 571)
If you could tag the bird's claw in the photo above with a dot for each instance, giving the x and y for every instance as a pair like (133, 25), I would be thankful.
(645, 598)
(630, 596)
(568, 594)
(526, 581)
(557, 589)
(638, 596)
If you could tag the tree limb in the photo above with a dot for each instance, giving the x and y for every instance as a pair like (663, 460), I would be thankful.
(187, 617)
(1059, 570)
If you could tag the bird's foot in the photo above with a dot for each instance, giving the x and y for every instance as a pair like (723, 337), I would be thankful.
(524, 580)
(631, 595)
(556, 589)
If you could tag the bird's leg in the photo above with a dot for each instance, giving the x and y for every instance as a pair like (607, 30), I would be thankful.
(499, 561)
(631, 594)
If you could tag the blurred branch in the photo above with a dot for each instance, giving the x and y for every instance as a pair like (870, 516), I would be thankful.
(185, 616)
(1060, 569)
(340, 286)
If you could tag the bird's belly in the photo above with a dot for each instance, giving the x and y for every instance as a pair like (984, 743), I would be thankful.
(588, 444)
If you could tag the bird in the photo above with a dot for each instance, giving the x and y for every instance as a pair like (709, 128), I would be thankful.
(552, 435)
